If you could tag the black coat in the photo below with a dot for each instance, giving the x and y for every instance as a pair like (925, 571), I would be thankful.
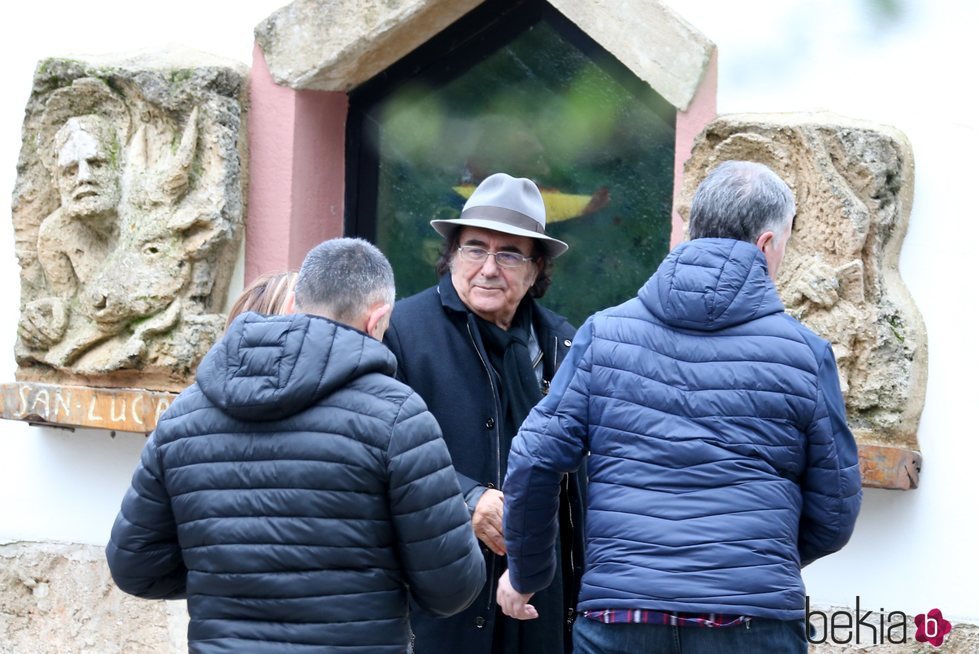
(296, 494)
(441, 356)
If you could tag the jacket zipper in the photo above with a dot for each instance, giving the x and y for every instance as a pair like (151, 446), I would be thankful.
(496, 434)
(496, 418)
(570, 618)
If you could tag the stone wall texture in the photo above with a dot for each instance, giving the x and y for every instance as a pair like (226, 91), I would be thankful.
(60, 599)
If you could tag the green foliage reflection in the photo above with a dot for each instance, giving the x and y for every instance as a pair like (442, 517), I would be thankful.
(538, 108)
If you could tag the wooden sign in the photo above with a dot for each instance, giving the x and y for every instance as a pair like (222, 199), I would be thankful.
(117, 409)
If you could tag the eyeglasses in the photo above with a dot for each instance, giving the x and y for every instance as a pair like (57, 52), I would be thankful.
(473, 254)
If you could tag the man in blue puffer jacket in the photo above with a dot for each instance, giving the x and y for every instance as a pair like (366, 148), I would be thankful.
(715, 439)
(297, 493)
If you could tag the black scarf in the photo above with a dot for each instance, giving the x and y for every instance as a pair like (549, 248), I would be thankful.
(509, 355)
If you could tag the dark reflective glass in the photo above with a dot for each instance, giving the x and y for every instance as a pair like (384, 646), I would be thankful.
(537, 107)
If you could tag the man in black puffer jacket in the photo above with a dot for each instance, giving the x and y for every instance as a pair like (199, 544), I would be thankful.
(297, 493)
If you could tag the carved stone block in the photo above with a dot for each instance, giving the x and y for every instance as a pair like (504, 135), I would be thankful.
(127, 212)
(336, 45)
(853, 182)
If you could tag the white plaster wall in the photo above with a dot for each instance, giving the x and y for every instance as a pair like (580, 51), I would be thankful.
(912, 551)
(916, 550)
(57, 484)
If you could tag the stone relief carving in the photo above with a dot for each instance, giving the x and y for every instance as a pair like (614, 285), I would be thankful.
(853, 183)
(128, 211)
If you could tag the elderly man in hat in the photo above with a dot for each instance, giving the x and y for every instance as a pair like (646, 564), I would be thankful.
(481, 352)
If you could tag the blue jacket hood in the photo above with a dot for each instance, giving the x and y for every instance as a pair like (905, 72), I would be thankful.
(711, 283)
(270, 367)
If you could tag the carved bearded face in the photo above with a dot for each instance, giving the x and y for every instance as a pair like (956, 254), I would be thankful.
(87, 170)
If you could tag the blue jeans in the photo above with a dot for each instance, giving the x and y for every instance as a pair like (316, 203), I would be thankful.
(756, 636)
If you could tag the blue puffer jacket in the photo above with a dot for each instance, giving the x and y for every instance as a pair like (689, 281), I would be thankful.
(719, 461)
(295, 495)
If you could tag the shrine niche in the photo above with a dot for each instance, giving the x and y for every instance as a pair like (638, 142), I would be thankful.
(333, 67)
(128, 213)
(853, 183)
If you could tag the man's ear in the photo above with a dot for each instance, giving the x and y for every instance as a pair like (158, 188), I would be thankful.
(377, 321)
(289, 304)
(767, 239)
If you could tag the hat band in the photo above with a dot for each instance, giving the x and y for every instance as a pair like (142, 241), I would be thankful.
(503, 215)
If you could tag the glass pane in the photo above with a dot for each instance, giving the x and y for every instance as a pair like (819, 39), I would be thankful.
(538, 108)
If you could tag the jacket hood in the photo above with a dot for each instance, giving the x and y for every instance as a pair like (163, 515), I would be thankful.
(270, 367)
(711, 283)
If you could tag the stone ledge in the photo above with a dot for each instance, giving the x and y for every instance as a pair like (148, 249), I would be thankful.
(890, 467)
(666, 52)
(336, 45)
(118, 409)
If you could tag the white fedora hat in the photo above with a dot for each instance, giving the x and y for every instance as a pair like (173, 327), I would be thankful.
(505, 204)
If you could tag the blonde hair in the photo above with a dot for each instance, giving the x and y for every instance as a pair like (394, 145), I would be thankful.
(266, 294)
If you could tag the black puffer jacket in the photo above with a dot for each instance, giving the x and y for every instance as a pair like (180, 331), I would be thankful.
(295, 495)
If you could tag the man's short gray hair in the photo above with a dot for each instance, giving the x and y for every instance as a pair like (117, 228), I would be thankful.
(741, 200)
(342, 278)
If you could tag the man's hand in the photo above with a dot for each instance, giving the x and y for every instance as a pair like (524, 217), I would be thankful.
(512, 603)
(488, 521)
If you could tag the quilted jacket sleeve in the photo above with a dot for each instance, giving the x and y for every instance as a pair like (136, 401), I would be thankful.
(143, 554)
(551, 443)
(831, 485)
(439, 553)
